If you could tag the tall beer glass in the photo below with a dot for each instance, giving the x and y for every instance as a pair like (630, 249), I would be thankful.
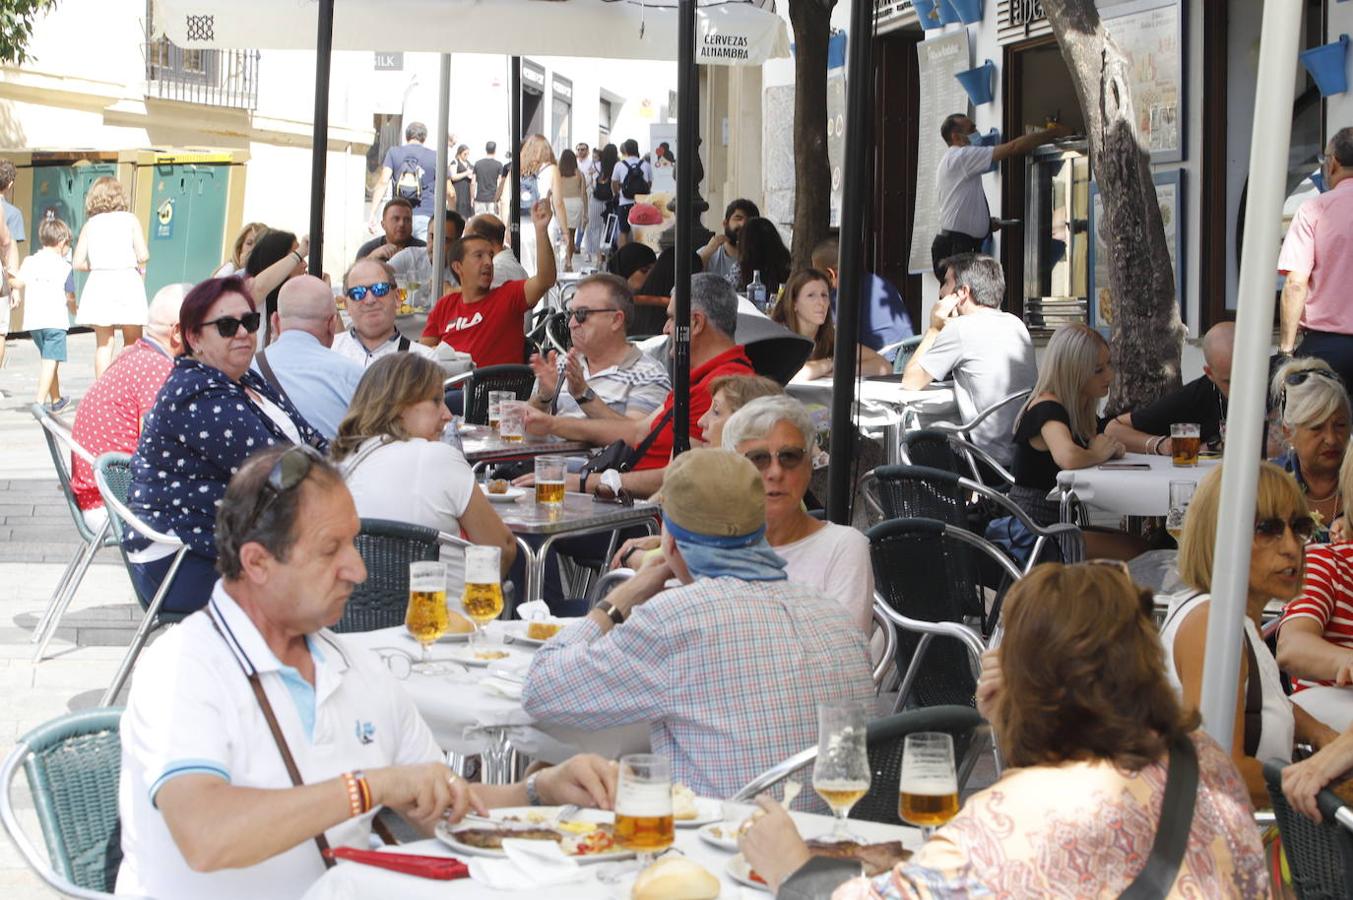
(496, 400)
(643, 806)
(1185, 438)
(426, 617)
(928, 787)
(550, 480)
(841, 770)
(483, 596)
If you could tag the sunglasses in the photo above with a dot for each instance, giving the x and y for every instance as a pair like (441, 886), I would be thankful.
(1272, 529)
(358, 293)
(1146, 600)
(287, 473)
(580, 314)
(603, 494)
(788, 457)
(229, 326)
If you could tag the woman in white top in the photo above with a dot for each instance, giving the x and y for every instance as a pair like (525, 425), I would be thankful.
(538, 162)
(244, 245)
(112, 249)
(1282, 527)
(396, 466)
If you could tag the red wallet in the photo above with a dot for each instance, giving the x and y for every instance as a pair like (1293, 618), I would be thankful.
(441, 868)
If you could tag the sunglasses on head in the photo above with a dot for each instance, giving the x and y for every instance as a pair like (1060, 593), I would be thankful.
(788, 457)
(286, 474)
(229, 326)
(358, 293)
(580, 314)
(1146, 600)
(1272, 528)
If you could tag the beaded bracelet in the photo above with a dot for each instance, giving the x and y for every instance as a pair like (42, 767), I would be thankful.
(359, 792)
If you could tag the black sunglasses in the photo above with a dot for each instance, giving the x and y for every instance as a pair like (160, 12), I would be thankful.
(228, 326)
(357, 293)
(287, 473)
(789, 458)
(1272, 528)
(580, 315)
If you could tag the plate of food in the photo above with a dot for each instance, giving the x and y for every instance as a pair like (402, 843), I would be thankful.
(690, 811)
(481, 656)
(723, 835)
(535, 632)
(500, 490)
(588, 836)
(741, 871)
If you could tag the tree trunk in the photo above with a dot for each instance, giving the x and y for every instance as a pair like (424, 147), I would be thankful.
(812, 179)
(1147, 334)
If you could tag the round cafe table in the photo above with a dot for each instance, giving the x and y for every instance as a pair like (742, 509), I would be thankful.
(1133, 491)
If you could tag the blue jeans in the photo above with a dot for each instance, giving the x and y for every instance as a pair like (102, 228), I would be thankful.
(192, 585)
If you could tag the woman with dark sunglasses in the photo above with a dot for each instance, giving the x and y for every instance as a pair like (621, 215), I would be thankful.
(1313, 415)
(212, 414)
(1267, 724)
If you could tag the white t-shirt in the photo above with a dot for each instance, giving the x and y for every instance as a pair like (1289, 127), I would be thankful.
(191, 711)
(1277, 728)
(44, 291)
(621, 170)
(418, 481)
(958, 187)
(348, 344)
(835, 560)
(990, 356)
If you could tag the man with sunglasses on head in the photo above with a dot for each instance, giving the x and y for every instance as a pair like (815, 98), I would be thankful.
(373, 300)
(256, 684)
(604, 376)
(487, 322)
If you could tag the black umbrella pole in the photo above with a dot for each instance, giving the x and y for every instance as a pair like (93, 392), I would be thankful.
(688, 109)
(859, 80)
(514, 129)
(319, 146)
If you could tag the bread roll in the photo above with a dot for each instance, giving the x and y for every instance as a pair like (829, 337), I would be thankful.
(457, 624)
(675, 878)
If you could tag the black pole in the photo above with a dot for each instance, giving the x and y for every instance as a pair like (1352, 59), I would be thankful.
(514, 138)
(319, 146)
(854, 209)
(688, 105)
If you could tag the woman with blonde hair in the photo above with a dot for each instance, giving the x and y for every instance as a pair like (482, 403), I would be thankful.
(389, 448)
(1266, 724)
(112, 249)
(539, 172)
(1090, 732)
(1059, 429)
(805, 307)
(1313, 416)
(244, 245)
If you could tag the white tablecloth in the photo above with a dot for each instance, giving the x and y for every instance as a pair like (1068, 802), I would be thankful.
(350, 881)
(879, 404)
(458, 708)
(1130, 492)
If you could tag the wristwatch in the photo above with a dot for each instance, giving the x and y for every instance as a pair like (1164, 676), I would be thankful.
(532, 795)
(587, 396)
(612, 611)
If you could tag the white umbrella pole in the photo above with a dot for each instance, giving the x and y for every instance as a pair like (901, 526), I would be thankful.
(1269, 143)
(443, 152)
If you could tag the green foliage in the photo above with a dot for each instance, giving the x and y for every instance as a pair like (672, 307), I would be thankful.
(16, 27)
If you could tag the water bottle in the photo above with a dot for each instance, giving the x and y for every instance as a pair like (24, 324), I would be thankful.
(756, 292)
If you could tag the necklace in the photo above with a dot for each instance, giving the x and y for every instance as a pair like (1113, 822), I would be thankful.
(1323, 499)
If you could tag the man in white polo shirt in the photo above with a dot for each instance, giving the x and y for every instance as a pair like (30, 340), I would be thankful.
(372, 293)
(207, 807)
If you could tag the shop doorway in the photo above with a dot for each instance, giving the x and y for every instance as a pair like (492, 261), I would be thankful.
(897, 105)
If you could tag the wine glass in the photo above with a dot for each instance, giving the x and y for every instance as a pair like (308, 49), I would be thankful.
(426, 617)
(841, 770)
(643, 806)
(928, 786)
(1181, 492)
(483, 596)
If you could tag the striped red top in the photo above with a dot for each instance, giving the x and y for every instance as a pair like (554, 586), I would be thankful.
(1327, 597)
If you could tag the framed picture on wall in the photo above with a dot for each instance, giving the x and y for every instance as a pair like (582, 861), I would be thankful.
(1170, 195)
(1151, 35)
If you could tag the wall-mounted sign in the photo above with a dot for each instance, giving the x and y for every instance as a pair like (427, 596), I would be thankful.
(532, 76)
(563, 89)
(392, 61)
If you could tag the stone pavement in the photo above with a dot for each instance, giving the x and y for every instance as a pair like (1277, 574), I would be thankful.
(37, 539)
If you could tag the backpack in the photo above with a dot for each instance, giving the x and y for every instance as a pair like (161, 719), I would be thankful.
(635, 183)
(409, 183)
(603, 190)
(530, 193)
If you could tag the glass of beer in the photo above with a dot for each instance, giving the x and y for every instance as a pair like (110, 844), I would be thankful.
(643, 806)
(928, 787)
(426, 617)
(550, 480)
(1184, 441)
(483, 596)
(841, 770)
(1181, 492)
(512, 421)
(496, 400)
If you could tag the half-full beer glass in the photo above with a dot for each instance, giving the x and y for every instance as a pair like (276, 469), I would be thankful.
(550, 480)
(928, 786)
(483, 596)
(426, 617)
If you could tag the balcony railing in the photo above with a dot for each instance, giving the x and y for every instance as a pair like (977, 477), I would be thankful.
(224, 78)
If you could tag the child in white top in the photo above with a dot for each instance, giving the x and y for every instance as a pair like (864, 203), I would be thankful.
(48, 304)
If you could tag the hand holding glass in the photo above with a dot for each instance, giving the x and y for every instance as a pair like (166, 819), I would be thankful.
(512, 421)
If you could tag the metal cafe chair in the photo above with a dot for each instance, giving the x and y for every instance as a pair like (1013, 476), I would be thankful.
(387, 548)
(519, 379)
(1320, 857)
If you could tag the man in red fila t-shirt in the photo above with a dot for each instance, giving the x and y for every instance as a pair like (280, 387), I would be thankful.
(489, 323)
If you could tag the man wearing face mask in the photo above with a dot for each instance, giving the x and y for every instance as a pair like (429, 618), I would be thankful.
(721, 255)
(987, 352)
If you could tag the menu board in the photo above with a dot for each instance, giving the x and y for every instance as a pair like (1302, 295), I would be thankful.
(940, 60)
(1149, 36)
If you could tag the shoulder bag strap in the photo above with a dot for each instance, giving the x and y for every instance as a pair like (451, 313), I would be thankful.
(1254, 700)
(287, 759)
(1172, 833)
(638, 452)
(266, 368)
(404, 344)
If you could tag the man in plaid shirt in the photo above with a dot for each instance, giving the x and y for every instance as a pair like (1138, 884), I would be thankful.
(728, 669)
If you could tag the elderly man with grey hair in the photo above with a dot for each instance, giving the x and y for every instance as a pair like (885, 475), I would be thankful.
(714, 319)
(372, 293)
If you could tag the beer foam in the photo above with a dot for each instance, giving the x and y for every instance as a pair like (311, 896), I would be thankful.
(928, 786)
(644, 800)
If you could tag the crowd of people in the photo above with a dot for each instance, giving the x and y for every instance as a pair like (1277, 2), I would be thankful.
(264, 421)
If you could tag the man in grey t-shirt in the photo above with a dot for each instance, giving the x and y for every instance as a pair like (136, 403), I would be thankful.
(987, 352)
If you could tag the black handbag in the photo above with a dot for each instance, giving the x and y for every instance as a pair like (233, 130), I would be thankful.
(620, 455)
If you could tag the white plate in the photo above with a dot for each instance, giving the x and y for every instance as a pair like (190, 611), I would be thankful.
(738, 870)
(444, 639)
(726, 839)
(466, 655)
(516, 632)
(707, 810)
(511, 496)
(447, 833)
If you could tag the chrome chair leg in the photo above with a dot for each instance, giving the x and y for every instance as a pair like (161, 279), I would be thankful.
(124, 669)
(62, 603)
(41, 627)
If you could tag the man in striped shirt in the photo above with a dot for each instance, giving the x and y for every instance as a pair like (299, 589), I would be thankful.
(727, 669)
(1315, 643)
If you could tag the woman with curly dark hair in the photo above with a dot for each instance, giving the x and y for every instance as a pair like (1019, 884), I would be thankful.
(1089, 727)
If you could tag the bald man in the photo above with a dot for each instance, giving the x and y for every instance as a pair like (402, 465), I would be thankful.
(1203, 400)
(318, 382)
